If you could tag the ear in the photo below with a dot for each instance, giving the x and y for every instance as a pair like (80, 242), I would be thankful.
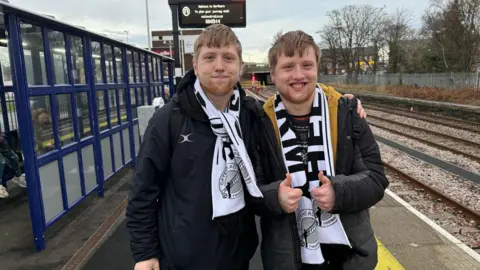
(272, 75)
(194, 66)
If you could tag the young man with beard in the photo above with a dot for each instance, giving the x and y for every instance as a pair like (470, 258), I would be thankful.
(317, 217)
(188, 204)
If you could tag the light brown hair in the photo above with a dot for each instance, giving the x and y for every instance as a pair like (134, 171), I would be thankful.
(217, 35)
(289, 43)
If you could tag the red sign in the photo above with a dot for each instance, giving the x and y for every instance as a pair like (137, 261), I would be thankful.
(164, 52)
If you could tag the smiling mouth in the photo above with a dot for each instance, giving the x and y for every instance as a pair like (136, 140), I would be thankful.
(298, 86)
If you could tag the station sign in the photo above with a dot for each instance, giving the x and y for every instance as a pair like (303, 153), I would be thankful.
(201, 14)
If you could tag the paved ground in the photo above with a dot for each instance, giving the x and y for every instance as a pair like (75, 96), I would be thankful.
(405, 242)
(117, 247)
(65, 237)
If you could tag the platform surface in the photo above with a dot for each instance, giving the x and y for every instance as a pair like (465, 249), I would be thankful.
(414, 243)
(405, 242)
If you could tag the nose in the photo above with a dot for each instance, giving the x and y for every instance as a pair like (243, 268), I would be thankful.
(219, 65)
(297, 73)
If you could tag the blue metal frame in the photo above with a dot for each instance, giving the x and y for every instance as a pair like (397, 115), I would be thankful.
(23, 92)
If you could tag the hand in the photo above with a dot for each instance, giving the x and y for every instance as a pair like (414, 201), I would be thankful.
(360, 110)
(288, 196)
(151, 264)
(324, 195)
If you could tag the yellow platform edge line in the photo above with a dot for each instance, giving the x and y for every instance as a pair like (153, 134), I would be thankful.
(386, 261)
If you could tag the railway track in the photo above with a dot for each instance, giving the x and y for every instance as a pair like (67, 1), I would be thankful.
(453, 216)
(449, 147)
(438, 134)
(436, 119)
(470, 233)
(470, 213)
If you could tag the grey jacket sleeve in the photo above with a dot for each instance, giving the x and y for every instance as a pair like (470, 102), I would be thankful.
(152, 167)
(367, 183)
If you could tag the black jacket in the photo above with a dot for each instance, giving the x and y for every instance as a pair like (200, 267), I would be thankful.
(169, 214)
(359, 183)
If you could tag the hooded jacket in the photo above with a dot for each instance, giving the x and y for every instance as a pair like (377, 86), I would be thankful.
(359, 183)
(169, 213)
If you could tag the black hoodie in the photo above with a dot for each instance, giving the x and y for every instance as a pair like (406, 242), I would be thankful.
(178, 228)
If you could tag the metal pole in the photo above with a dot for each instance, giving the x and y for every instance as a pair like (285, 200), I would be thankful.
(178, 66)
(182, 51)
(148, 27)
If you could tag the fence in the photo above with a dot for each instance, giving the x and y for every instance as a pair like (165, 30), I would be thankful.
(436, 80)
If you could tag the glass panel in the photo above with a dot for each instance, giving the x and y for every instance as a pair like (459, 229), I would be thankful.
(51, 190)
(119, 63)
(42, 124)
(145, 96)
(138, 73)
(155, 70)
(106, 157)
(33, 51)
(96, 58)
(133, 101)
(65, 119)
(167, 92)
(126, 146)
(130, 66)
(123, 104)
(144, 68)
(5, 63)
(72, 178)
(59, 58)
(117, 150)
(102, 117)
(136, 135)
(89, 168)
(11, 111)
(78, 66)
(151, 68)
(82, 113)
(107, 49)
(113, 107)
(165, 70)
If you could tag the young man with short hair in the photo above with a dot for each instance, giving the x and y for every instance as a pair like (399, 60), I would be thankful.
(317, 217)
(187, 205)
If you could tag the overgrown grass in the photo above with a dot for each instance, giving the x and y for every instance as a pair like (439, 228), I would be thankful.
(462, 96)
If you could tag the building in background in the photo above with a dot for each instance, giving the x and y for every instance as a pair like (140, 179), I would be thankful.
(162, 43)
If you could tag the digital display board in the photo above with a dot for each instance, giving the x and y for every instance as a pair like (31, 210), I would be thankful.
(202, 15)
(185, 2)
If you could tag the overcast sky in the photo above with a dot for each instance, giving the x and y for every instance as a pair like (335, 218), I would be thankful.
(264, 17)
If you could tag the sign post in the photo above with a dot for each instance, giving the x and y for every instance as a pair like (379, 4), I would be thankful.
(200, 14)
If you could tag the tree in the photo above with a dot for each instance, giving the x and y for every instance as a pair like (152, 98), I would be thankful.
(329, 36)
(453, 26)
(353, 28)
(397, 30)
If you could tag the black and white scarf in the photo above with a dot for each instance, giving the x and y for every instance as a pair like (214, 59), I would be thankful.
(315, 226)
(231, 162)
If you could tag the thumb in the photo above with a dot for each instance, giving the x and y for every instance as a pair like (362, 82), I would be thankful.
(288, 181)
(323, 178)
(156, 265)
